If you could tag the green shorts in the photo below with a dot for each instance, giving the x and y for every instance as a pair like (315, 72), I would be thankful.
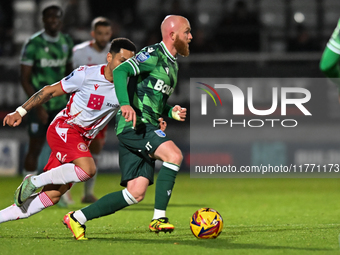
(35, 127)
(134, 150)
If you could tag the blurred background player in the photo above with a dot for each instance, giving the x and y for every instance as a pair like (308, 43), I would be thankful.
(329, 63)
(89, 53)
(46, 57)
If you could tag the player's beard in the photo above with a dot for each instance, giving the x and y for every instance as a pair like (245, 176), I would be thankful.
(101, 45)
(181, 47)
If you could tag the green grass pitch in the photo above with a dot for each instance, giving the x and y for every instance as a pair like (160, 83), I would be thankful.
(261, 216)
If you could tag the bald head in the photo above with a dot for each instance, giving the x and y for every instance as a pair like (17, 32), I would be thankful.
(174, 28)
(172, 24)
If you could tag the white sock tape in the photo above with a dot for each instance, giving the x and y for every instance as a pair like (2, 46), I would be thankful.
(21, 111)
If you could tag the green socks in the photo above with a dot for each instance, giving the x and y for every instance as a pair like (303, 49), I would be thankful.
(164, 184)
(109, 204)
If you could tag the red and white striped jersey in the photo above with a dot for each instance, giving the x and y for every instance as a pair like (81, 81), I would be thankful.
(85, 54)
(93, 101)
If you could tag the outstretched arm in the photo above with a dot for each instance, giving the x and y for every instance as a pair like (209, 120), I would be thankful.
(42, 96)
(329, 63)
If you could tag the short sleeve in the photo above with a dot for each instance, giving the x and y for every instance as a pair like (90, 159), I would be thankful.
(74, 81)
(144, 61)
(28, 54)
(334, 42)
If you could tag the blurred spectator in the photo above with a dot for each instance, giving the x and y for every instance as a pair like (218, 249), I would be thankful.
(6, 28)
(302, 41)
(240, 30)
(46, 57)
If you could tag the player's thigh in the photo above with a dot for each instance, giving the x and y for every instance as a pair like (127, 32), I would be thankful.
(96, 145)
(87, 164)
(67, 146)
(134, 164)
(168, 152)
(137, 187)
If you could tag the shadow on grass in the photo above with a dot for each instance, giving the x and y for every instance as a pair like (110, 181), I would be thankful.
(244, 230)
(220, 243)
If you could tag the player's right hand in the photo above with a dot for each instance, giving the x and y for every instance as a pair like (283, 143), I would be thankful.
(129, 114)
(12, 119)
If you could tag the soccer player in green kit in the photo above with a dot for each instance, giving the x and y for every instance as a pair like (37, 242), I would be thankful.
(153, 77)
(46, 58)
(329, 63)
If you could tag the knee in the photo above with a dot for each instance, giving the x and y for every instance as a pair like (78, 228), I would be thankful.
(138, 194)
(92, 171)
(176, 158)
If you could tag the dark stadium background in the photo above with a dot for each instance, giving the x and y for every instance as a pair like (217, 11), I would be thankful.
(253, 38)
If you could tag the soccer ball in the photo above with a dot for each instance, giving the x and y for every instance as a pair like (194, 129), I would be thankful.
(206, 223)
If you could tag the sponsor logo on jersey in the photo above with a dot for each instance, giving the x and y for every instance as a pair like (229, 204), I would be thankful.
(96, 86)
(62, 132)
(112, 105)
(142, 56)
(52, 62)
(166, 70)
(81, 68)
(95, 102)
(164, 88)
(160, 133)
(82, 147)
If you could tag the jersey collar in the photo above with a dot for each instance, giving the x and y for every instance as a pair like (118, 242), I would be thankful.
(102, 69)
(50, 38)
(167, 52)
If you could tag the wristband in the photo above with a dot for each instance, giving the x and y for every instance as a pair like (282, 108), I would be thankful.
(175, 115)
(21, 110)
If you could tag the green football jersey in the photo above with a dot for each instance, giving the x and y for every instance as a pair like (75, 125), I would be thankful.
(334, 42)
(48, 57)
(153, 78)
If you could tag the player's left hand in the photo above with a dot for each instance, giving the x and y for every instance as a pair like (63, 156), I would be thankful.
(162, 124)
(179, 113)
